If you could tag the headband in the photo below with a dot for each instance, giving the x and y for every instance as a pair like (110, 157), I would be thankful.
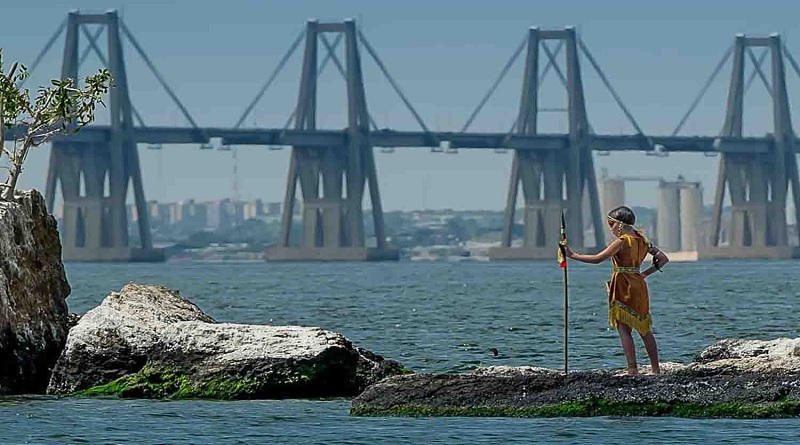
(611, 218)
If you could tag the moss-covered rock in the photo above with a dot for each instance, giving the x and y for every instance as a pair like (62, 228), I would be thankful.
(171, 384)
(706, 388)
(595, 407)
(148, 341)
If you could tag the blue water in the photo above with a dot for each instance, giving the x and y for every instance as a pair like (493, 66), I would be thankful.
(433, 317)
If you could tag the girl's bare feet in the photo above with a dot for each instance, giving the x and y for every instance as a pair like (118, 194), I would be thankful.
(652, 370)
(632, 371)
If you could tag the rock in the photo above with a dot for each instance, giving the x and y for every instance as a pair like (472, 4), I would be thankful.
(33, 292)
(116, 338)
(73, 319)
(779, 355)
(732, 378)
(148, 341)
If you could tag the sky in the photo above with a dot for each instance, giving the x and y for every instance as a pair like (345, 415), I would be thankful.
(444, 54)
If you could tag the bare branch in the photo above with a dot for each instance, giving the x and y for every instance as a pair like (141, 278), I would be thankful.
(61, 108)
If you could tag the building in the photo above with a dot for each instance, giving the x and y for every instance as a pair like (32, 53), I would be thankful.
(253, 209)
(273, 209)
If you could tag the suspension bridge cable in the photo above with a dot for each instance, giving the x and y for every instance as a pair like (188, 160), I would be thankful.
(320, 69)
(272, 77)
(552, 63)
(158, 76)
(496, 83)
(46, 48)
(93, 46)
(551, 59)
(703, 90)
(757, 69)
(341, 70)
(758, 63)
(392, 82)
(551, 56)
(88, 50)
(792, 61)
(610, 88)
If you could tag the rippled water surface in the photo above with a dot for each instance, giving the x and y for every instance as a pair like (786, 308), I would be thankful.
(433, 317)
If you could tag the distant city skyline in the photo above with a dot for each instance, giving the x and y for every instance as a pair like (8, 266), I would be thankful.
(657, 57)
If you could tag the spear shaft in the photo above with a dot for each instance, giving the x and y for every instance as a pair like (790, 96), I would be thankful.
(566, 293)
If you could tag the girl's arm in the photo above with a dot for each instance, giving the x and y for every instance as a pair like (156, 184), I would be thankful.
(598, 258)
(660, 259)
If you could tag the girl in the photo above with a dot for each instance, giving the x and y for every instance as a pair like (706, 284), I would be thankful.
(628, 301)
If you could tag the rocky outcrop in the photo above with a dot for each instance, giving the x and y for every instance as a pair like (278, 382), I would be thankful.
(732, 378)
(148, 341)
(116, 338)
(33, 289)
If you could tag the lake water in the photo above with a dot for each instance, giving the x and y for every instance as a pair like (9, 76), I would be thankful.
(433, 317)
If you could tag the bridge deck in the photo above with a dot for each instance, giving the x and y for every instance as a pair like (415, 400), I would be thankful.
(412, 139)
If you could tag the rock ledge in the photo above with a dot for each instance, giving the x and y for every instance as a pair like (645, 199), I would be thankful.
(732, 378)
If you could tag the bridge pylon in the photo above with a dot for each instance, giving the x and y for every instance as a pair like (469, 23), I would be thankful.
(758, 182)
(332, 179)
(547, 174)
(95, 222)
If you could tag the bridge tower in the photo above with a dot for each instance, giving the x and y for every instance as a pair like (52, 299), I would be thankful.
(758, 182)
(546, 174)
(332, 179)
(95, 224)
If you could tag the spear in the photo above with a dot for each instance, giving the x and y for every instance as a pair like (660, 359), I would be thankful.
(562, 262)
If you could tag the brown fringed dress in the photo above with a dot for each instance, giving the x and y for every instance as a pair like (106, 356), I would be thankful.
(628, 300)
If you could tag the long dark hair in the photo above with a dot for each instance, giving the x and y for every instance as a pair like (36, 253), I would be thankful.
(624, 215)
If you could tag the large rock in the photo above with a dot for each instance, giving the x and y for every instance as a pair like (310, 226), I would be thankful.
(33, 289)
(732, 378)
(148, 341)
(116, 338)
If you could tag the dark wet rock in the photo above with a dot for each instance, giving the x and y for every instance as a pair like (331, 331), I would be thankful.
(33, 292)
(148, 341)
(73, 319)
(732, 378)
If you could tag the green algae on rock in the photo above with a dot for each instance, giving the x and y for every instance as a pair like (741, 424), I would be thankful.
(169, 384)
(595, 407)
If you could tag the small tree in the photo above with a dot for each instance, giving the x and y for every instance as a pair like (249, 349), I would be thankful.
(61, 108)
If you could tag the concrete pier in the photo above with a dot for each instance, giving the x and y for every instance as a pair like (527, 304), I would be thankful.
(95, 175)
(758, 186)
(691, 216)
(668, 222)
(748, 252)
(612, 195)
(112, 254)
(331, 254)
(556, 180)
(332, 180)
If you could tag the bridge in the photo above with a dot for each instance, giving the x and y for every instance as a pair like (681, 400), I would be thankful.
(334, 167)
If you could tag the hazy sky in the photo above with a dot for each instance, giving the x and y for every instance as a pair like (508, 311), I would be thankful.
(444, 54)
